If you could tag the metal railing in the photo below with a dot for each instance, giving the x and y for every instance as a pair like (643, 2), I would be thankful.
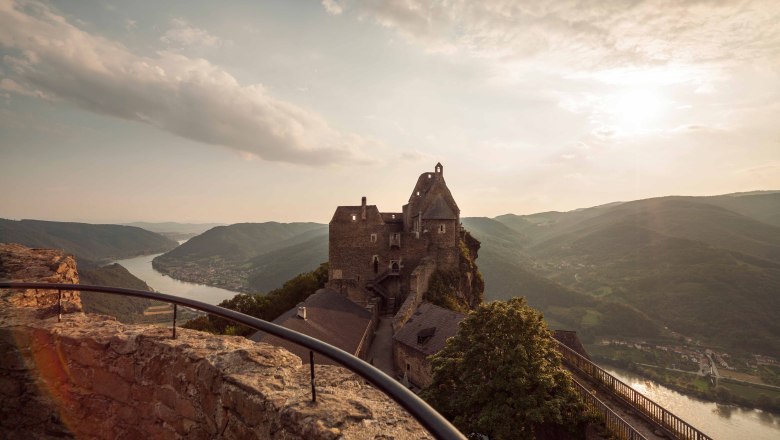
(614, 423)
(650, 410)
(434, 422)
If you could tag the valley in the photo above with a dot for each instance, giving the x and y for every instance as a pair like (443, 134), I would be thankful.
(688, 274)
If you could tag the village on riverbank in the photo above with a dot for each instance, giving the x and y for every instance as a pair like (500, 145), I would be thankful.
(694, 368)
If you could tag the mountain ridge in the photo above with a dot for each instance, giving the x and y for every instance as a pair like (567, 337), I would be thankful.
(91, 243)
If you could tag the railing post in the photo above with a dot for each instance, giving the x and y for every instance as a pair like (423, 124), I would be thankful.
(311, 366)
(59, 306)
(174, 320)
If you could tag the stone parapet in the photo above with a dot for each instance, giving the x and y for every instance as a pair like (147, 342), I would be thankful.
(91, 376)
(21, 264)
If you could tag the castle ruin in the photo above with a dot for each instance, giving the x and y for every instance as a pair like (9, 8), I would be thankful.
(373, 254)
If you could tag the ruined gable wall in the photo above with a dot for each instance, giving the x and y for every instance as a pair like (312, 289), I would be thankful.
(418, 282)
(413, 250)
(90, 376)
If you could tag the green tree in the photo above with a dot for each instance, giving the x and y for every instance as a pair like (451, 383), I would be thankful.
(501, 376)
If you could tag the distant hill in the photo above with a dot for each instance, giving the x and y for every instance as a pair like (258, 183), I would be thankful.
(706, 267)
(270, 270)
(763, 206)
(237, 242)
(124, 308)
(251, 257)
(88, 242)
(703, 266)
(182, 228)
(176, 231)
(687, 218)
(509, 272)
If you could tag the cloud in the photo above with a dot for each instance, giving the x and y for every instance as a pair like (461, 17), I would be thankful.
(12, 86)
(593, 33)
(415, 156)
(183, 34)
(333, 7)
(189, 97)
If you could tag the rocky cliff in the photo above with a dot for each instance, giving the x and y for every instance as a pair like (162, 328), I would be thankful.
(459, 289)
(90, 376)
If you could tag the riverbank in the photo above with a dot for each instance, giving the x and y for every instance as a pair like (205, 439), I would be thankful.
(722, 390)
(215, 273)
(719, 421)
(142, 268)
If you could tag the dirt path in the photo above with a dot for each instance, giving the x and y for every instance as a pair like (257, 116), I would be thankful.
(381, 352)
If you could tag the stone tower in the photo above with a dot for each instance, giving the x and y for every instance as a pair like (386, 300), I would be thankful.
(372, 254)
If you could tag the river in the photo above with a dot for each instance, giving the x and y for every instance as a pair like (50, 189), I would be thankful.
(142, 268)
(718, 421)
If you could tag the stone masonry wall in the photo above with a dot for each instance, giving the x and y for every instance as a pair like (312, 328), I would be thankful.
(413, 365)
(418, 286)
(90, 376)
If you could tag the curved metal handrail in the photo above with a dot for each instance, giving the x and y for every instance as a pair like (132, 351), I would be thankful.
(434, 422)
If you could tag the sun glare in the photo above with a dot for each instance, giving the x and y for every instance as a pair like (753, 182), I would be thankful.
(636, 111)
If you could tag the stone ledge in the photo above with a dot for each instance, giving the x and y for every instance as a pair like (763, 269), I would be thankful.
(91, 376)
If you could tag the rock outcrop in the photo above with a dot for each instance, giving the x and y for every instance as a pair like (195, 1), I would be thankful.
(90, 376)
(461, 289)
(22, 264)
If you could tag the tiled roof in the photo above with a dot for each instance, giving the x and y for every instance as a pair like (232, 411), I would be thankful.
(432, 325)
(330, 317)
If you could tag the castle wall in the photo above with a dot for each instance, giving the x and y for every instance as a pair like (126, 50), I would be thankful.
(351, 248)
(414, 364)
(90, 376)
(418, 286)
(444, 246)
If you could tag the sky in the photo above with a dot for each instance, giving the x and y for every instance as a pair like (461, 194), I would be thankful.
(202, 111)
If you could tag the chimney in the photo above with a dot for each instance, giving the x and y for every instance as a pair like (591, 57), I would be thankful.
(302, 312)
(363, 208)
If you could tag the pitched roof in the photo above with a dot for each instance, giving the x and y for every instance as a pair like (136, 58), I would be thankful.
(439, 210)
(330, 317)
(429, 328)
(344, 214)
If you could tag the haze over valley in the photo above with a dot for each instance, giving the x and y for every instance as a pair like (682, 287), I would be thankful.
(704, 267)
(608, 170)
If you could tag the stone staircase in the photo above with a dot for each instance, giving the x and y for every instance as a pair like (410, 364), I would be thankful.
(375, 286)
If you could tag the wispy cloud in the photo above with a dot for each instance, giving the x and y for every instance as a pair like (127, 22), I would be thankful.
(333, 7)
(189, 97)
(593, 33)
(183, 34)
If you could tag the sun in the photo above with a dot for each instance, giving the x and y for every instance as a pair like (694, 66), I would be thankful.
(635, 111)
